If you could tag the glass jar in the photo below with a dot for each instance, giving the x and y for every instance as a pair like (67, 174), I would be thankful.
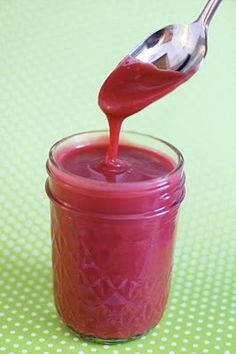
(112, 243)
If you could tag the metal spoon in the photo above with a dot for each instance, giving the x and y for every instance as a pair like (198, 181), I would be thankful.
(178, 47)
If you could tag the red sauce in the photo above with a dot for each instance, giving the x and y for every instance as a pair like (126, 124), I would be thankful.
(113, 245)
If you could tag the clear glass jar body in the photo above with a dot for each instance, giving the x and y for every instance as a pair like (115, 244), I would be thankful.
(112, 244)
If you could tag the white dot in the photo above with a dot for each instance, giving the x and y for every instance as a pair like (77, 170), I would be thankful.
(105, 346)
(93, 349)
(127, 348)
(140, 345)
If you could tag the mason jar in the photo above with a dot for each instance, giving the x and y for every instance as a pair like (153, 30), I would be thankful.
(112, 243)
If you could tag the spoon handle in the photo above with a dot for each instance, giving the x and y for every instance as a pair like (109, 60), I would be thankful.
(208, 12)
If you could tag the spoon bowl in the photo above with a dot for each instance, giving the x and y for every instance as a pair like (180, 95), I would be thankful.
(181, 47)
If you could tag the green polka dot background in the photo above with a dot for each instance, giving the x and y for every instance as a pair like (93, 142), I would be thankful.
(55, 56)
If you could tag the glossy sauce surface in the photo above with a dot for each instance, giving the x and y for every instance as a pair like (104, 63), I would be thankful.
(137, 164)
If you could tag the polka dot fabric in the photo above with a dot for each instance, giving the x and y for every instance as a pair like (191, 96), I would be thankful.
(52, 66)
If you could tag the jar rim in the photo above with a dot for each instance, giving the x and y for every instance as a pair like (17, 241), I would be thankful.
(83, 181)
